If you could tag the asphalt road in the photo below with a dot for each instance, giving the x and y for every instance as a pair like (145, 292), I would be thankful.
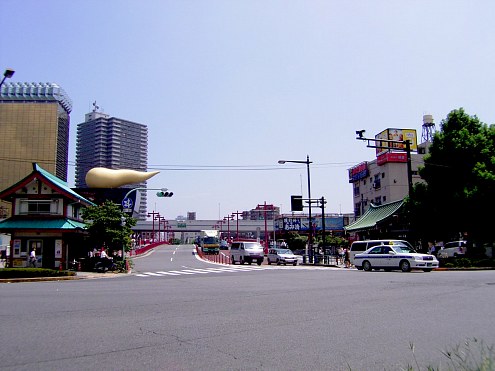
(246, 318)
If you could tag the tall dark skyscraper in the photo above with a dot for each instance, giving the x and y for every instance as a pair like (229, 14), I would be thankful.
(113, 143)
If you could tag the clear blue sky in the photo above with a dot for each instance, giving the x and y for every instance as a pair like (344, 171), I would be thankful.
(228, 88)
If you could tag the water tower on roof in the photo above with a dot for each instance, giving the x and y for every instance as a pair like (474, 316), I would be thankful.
(428, 128)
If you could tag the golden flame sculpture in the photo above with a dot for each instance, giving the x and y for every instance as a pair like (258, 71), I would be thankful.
(100, 177)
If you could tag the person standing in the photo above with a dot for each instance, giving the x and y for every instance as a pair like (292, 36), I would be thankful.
(347, 258)
(32, 258)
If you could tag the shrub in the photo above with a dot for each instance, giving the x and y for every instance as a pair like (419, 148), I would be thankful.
(32, 273)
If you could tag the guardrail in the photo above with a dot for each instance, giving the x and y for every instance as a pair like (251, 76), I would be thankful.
(220, 258)
(145, 249)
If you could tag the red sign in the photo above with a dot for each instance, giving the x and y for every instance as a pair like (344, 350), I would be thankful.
(391, 157)
(358, 172)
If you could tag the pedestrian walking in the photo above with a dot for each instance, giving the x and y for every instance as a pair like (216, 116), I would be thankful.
(32, 258)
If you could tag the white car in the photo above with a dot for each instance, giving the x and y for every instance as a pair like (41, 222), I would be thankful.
(281, 256)
(453, 250)
(390, 257)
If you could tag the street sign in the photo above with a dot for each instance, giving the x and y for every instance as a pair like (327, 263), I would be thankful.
(127, 205)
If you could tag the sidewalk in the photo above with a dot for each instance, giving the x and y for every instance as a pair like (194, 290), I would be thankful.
(78, 276)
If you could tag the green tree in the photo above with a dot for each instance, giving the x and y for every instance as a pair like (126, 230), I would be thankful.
(108, 226)
(459, 173)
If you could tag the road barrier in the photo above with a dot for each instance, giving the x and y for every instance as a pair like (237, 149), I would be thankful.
(219, 258)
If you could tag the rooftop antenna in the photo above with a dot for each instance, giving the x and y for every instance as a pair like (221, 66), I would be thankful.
(428, 128)
(95, 107)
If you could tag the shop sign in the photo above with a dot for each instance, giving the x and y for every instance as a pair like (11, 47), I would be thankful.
(358, 172)
(391, 157)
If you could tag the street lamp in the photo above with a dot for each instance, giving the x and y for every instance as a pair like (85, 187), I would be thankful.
(153, 214)
(310, 234)
(237, 231)
(228, 219)
(7, 75)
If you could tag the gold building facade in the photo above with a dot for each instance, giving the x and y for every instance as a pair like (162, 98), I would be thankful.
(34, 127)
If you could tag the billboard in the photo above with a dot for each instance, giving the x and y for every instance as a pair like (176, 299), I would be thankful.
(398, 135)
(358, 172)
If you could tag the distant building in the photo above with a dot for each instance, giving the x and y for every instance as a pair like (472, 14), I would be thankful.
(262, 212)
(113, 143)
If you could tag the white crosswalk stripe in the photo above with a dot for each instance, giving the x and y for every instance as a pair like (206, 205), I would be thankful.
(199, 271)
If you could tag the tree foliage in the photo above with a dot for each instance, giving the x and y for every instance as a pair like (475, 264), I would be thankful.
(459, 173)
(108, 226)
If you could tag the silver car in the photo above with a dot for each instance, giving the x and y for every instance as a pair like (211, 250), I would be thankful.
(281, 256)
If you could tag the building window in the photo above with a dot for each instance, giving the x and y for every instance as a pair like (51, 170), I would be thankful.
(39, 207)
(377, 182)
(356, 190)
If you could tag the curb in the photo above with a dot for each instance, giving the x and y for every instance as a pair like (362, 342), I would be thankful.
(86, 276)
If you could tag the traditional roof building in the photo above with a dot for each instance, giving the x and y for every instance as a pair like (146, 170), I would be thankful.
(47, 218)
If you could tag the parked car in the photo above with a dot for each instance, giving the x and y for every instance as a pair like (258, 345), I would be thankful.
(282, 256)
(394, 257)
(246, 252)
(358, 247)
(453, 249)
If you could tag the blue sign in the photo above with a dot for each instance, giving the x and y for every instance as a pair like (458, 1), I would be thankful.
(292, 224)
(127, 204)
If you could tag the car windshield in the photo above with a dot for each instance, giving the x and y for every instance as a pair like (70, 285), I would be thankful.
(284, 251)
(252, 246)
(403, 249)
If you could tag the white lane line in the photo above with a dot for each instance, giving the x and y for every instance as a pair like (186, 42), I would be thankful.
(169, 273)
(212, 270)
(181, 272)
(152, 274)
(193, 270)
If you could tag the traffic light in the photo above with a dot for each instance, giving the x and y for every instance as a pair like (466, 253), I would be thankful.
(164, 194)
(296, 203)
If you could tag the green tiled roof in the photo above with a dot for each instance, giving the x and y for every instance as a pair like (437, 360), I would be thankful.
(9, 224)
(60, 183)
(374, 215)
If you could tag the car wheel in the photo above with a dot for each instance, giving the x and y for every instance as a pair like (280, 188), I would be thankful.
(259, 261)
(294, 264)
(232, 260)
(426, 270)
(269, 262)
(278, 262)
(241, 260)
(405, 266)
(367, 266)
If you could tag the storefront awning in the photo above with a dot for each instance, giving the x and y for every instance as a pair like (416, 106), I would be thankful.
(66, 224)
(374, 215)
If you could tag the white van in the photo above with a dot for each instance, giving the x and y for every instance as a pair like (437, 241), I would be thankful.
(453, 249)
(246, 252)
(358, 247)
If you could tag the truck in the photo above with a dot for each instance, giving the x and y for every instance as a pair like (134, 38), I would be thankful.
(209, 240)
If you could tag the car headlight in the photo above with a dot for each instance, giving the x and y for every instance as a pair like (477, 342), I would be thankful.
(418, 258)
